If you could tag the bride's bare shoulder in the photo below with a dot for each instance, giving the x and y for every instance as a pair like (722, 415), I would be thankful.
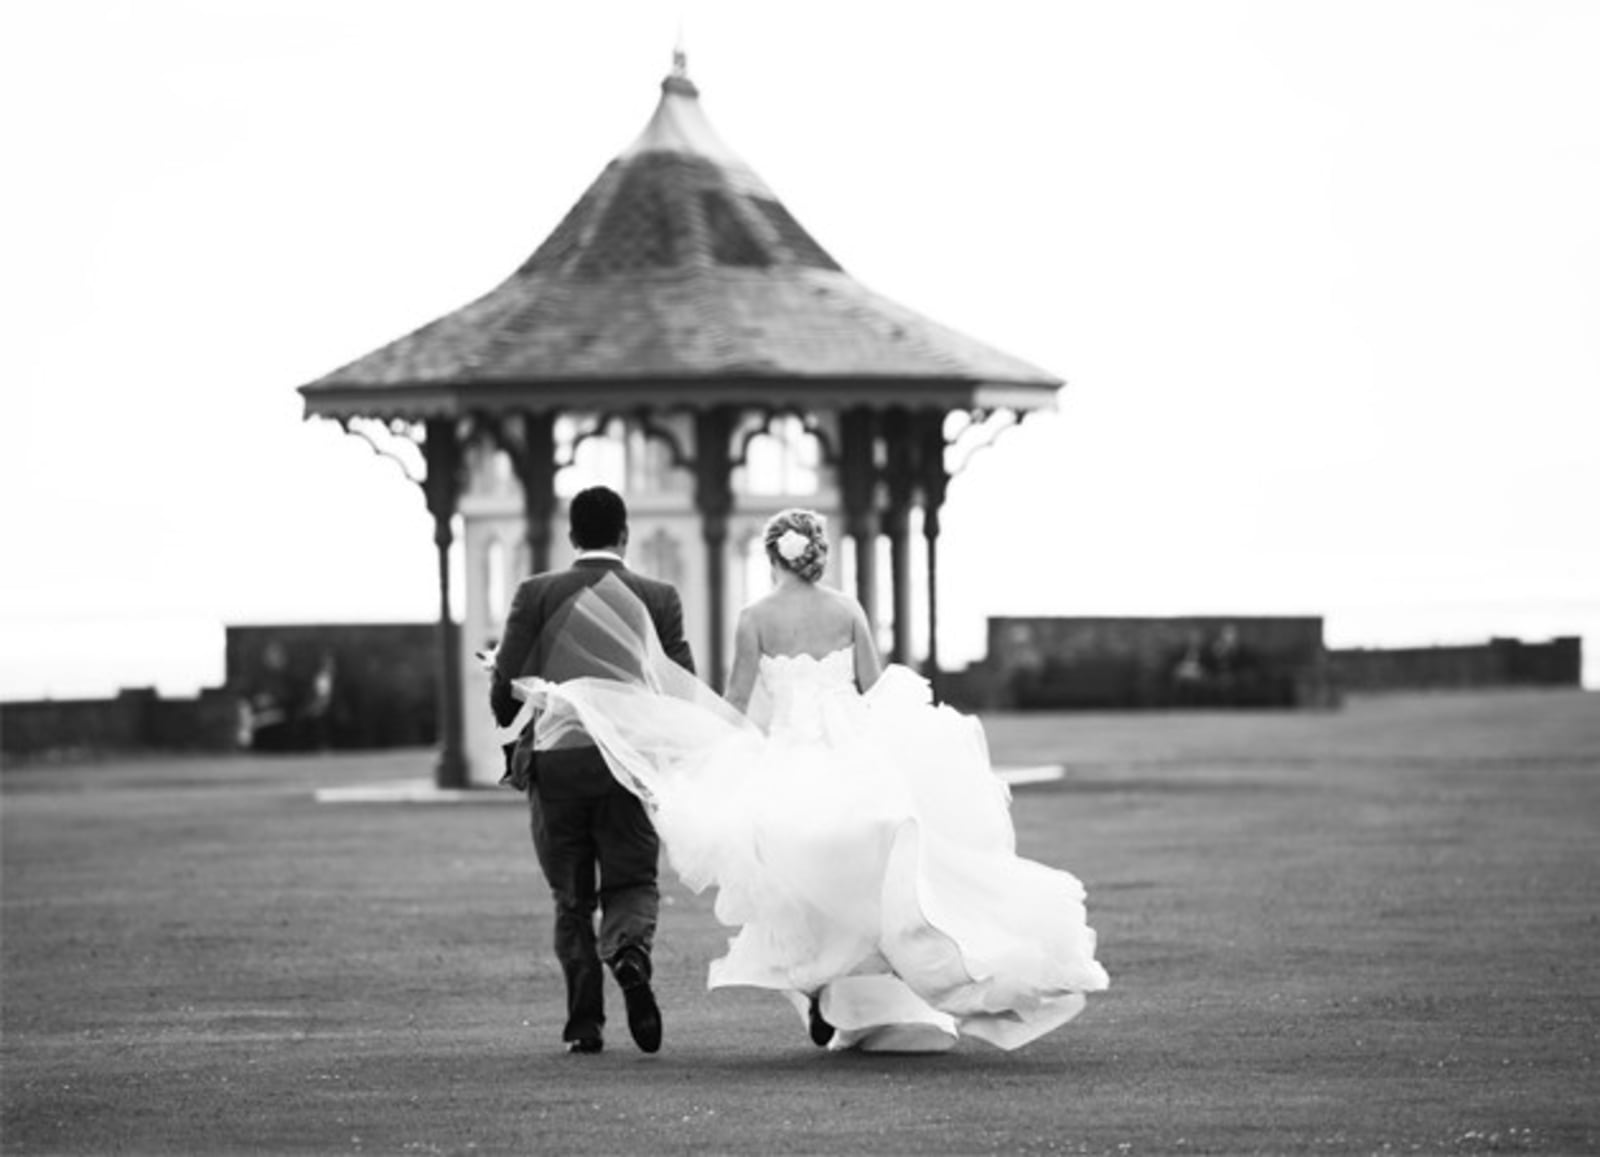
(845, 604)
(801, 613)
(759, 609)
(761, 615)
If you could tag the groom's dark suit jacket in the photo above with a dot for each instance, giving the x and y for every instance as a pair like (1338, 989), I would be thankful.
(575, 771)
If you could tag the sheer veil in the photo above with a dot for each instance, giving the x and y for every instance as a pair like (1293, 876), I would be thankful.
(608, 682)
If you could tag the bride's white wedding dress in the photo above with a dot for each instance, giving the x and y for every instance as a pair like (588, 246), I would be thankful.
(861, 844)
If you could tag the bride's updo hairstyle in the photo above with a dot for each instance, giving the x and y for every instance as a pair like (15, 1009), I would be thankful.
(797, 541)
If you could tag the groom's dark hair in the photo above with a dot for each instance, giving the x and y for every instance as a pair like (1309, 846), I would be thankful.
(598, 517)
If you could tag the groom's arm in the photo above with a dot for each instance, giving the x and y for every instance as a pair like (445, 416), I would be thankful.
(669, 625)
(511, 656)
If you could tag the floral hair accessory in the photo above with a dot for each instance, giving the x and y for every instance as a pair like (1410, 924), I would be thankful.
(792, 544)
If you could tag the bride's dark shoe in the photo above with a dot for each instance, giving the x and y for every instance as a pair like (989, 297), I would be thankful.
(821, 1031)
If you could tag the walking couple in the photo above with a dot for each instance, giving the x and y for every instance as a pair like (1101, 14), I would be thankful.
(855, 834)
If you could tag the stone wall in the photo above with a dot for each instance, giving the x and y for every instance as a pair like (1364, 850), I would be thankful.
(1214, 661)
(1498, 663)
(136, 719)
(1038, 663)
(289, 688)
(350, 685)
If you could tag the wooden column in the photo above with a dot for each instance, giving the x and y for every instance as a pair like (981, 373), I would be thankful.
(713, 498)
(900, 474)
(443, 453)
(858, 484)
(935, 481)
(533, 456)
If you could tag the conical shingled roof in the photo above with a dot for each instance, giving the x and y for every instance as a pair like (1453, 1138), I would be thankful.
(678, 276)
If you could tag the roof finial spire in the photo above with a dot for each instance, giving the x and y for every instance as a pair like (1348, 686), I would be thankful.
(678, 79)
(680, 55)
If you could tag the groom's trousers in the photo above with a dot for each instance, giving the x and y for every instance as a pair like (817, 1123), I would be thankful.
(598, 850)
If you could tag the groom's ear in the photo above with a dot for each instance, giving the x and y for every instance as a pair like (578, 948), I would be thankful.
(622, 539)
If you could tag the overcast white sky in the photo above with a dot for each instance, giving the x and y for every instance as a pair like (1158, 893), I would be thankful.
(1323, 278)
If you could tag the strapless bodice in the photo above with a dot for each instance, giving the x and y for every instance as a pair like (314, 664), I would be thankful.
(802, 688)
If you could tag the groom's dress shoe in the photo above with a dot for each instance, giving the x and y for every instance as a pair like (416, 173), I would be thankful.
(585, 1044)
(632, 970)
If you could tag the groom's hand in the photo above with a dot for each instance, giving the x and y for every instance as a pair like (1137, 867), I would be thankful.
(671, 631)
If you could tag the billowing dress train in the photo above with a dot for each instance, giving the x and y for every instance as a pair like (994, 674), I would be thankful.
(861, 844)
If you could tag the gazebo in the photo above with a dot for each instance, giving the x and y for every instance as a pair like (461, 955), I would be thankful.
(680, 304)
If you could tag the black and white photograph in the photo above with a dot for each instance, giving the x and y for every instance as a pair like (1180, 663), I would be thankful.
(677, 576)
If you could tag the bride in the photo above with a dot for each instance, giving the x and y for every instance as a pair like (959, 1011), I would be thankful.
(856, 835)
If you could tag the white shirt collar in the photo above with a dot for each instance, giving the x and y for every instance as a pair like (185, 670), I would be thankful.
(586, 555)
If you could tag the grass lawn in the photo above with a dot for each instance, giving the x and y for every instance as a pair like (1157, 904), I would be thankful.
(1371, 930)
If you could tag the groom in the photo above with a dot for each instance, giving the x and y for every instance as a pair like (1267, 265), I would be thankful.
(593, 839)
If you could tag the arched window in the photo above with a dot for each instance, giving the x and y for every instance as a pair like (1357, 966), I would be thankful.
(502, 479)
(756, 571)
(783, 460)
(651, 469)
(598, 460)
(495, 580)
(661, 556)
